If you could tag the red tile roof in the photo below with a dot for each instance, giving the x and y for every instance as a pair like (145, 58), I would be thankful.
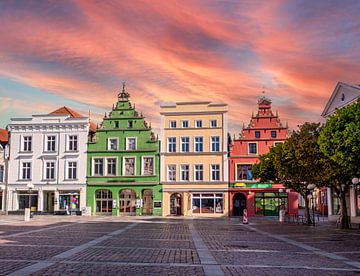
(4, 136)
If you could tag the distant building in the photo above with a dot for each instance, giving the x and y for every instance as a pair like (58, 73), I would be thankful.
(264, 199)
(194, 162)
(343, 95)
(4, 137)
(47, 165)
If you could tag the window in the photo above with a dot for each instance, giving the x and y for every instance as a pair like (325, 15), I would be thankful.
(72, 170)
(199, 146)
(273, 134)
(198, 123)
(148, 165)
(26, 171)
(199, 172)
(213, 123)
(50, 143)
(185, 144)
(172, 144)
(98, 166)
(116, 124)
(215, 143)
(171, 172)
(49, 170)
(2, 173)
(257, 134)
(252, 148)
(129, 165)
(185, 124)
(184, 172)
(113, 144)
(73, 143)
(111, 166)
(104, 201)
(278, 144)
(244, 172)
(172, 124)
(130, 124)
(215, 172)
(27, 143)
(130, 143)
(207, 203)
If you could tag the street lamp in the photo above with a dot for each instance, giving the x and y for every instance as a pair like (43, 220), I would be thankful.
(310, 196)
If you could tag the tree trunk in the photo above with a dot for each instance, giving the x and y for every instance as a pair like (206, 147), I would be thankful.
(307, 211)
(344, 222)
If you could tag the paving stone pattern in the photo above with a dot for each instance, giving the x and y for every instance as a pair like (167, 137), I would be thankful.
(110, 246)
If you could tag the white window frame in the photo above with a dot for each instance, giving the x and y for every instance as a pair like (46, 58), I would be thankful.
(211, 123)
(211, 144)
(168, 174)
(47, 140)
(168, 144)
(171, 124)
(68, 142)
(23, 143)
(21, 170)
(196, 124)
(195, 143)
(93, 166)
(116, 166)
(2, 173)
(143, 167)
(181, 171)
(123, 166)
(185, 121)
(45, 168)
(126, 143)
(212, 170)
(109, 143)
(257, 148)
(67, 177)
(181, 143)
(237, 171)
(196, 180)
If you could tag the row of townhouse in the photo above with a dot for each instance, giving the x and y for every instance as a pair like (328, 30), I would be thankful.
(62, 163)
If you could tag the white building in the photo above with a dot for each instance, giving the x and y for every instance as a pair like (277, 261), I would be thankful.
(3, 142)
(47, 164)
(343, 95)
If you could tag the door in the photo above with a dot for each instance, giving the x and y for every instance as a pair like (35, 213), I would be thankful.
(127, 202)
(239, 204)
(147, 202)
(175, 204)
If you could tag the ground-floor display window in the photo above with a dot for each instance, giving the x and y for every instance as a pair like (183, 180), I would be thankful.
(69, 201)
(103, 201)
(128, 202)
(207, 203)
(269, 204)
(28, 200)
(357, 200)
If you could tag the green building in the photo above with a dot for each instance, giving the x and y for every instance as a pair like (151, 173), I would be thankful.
(123, 168)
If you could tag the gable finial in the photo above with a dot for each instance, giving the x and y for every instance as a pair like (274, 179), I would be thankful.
(123, 95)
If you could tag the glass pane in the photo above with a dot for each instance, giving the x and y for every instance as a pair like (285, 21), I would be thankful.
(219, 205)
(196, 205)
(207, 205)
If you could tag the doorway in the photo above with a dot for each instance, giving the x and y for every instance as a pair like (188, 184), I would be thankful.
(175, 204)
(128, 202)
(49, 198)
(239, 204)
(147, 202)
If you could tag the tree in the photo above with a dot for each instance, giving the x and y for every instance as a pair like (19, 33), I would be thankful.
(340, 142)
(265, 170)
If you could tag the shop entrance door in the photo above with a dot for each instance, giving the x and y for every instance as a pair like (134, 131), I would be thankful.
(147, 202)
(175, 205)
(239, 204)
(128, 202)
(49, 202)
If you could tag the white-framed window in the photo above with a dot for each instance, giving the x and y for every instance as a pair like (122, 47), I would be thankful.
(2, 173)
(171, 144)
(148, 165)
(215, 143)
(215, 172)
(49, 170)
(199, 172)
(26, 170)
(113, 144)
(198, 123)
(130, 143)
(171, 172)
(185, 144)
(185, 124)
(207, 203)
(129, 166)
(198, 144)
(71, 170)
(27, 143)
(184, 172)
(98, 166)
(213, 123)
(244, 172)
(172, 124)
(50, 144)
(111, 166)
(252, 148)
(72, 143)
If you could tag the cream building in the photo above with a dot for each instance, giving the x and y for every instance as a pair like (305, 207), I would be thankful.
(194, 162)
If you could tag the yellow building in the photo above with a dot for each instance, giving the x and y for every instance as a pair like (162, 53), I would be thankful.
(194, 162)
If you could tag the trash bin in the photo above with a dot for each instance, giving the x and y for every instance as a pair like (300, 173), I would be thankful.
(282, 215)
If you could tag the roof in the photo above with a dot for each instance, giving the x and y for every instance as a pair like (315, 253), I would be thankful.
(68, 111)
(4, 136)
(343, 95)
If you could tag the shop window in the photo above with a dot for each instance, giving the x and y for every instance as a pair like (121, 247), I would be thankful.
(244, 172)
(28, 200)
(269, 204)
(103, 201)
(207, 203)
(70, 202)
(357, 199)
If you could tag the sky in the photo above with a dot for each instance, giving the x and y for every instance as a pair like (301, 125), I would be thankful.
(78, 53)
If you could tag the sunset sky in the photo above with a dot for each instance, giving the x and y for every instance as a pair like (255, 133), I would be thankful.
(77, 53)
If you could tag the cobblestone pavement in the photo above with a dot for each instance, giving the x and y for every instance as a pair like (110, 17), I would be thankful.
(50, 245)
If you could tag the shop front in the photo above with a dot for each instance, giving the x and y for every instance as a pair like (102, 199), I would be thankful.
(69, 201)
(27, 199)
(262, 199)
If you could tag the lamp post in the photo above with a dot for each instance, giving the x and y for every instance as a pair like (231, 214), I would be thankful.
(310, 196)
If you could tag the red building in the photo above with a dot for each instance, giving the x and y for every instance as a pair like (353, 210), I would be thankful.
(264, 199)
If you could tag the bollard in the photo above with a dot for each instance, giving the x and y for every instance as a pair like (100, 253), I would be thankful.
(245, 217)
(27, 214)
(282, 215)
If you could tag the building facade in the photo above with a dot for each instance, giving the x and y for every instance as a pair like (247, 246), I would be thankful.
(47, 163)
(194, 162)
(264, 131)
(3, 164)
(343, 95)
(123, 169)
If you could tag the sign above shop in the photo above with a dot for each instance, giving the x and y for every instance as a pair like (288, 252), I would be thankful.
(253, 185)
